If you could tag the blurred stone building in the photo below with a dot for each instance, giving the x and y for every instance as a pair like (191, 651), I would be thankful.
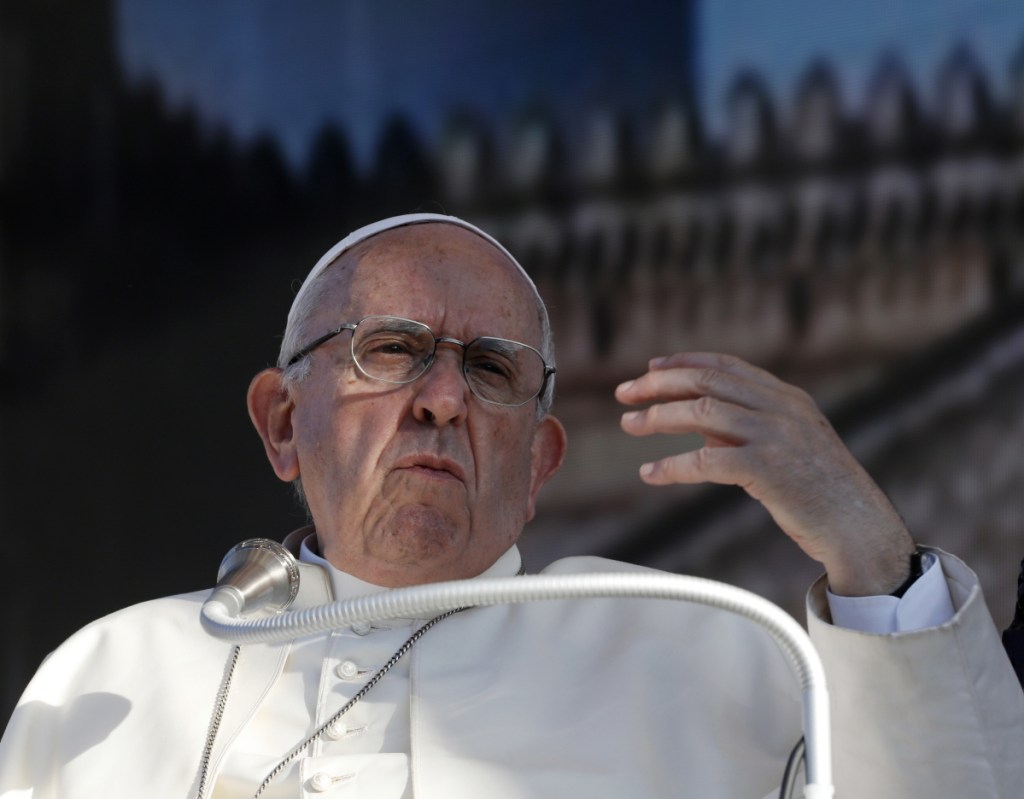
(878, 261)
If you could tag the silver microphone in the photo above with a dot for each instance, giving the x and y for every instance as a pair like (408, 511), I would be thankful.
(256, 575)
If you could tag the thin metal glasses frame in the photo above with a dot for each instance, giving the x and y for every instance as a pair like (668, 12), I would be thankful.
(429, 360)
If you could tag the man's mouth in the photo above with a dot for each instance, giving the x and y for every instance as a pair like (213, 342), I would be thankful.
(432, 466)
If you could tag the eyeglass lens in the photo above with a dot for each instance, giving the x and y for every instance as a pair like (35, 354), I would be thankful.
(399, 351)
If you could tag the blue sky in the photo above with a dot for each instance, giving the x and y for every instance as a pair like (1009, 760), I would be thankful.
(781, 37)
(258, 66)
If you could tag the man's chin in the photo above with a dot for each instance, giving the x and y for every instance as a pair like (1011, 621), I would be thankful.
(421, 533)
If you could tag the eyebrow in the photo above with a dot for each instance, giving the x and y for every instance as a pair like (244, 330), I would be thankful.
(505, 347)
(399, 325)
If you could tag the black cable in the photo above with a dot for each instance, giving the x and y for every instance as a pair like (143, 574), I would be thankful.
(796, 758)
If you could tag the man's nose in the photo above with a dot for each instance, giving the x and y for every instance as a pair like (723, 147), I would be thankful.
(442, 395)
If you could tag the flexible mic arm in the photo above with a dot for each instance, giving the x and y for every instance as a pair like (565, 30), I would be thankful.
(269, 570)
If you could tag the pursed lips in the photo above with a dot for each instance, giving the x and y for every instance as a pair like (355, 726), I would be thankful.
(432, 466)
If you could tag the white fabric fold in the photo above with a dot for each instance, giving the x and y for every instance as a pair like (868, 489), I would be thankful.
(925, 604)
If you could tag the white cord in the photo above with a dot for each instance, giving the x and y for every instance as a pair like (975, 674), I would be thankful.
(439, 597)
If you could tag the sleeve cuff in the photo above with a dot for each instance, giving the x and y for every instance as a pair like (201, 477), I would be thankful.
(925, 604)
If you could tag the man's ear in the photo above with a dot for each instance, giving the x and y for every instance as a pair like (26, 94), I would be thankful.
(547, 453)
(270, 408)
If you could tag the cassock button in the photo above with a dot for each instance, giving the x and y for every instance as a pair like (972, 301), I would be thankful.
(336, 730)
(320, 782)
(347, 670)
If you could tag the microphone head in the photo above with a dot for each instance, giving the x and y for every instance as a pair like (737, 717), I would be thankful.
(257, 575)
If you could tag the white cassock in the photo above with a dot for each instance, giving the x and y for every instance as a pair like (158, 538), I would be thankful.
(595, 698)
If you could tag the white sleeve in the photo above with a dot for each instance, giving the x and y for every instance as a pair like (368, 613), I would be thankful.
(925, 604)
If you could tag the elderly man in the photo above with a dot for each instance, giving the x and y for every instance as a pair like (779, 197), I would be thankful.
(411, 409)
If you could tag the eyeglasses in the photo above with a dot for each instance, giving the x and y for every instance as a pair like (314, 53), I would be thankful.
(397, 350)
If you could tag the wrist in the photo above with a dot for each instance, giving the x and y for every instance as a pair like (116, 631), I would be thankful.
(876, 573)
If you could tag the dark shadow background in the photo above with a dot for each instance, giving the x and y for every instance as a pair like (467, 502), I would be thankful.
(152, 235)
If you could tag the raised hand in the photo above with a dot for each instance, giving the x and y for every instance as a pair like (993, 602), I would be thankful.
(770, 438)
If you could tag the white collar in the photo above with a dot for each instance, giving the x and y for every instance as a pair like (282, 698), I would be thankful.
(346, 586)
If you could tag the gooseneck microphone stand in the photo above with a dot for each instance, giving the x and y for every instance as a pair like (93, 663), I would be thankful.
(260, 575)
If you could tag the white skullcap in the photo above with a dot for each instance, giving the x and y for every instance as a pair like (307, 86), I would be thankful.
(390, 223)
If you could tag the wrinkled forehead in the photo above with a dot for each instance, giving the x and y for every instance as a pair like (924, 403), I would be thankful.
(439, 255)
(359, 241)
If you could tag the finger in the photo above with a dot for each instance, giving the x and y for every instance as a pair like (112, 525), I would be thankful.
(718, 361)
(722, 465)
(740, 386)
(712, 418)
